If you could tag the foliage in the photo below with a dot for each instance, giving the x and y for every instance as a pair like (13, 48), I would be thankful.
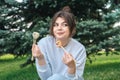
(94, 27)
(87, 31)
(17, 43)
(97, 35)
(113, 16)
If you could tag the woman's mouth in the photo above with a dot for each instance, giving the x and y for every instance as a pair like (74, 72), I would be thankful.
(60, 33)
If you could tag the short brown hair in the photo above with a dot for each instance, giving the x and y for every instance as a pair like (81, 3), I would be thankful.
(69, 18)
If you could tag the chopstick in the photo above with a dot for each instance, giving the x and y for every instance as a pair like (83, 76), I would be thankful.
(64, 49)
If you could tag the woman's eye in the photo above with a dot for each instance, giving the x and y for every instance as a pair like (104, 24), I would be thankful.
(65, 25)
(55, 25)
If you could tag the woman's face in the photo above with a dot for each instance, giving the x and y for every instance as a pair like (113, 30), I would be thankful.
(61, 29)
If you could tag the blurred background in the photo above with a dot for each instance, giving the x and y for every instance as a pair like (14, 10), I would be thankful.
(98, 28)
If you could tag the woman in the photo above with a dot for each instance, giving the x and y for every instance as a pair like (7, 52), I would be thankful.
(52, 62)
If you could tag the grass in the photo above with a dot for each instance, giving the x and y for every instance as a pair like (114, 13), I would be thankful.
(103, 68)
(10, 69)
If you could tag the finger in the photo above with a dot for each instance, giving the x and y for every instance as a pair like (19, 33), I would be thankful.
(71, 58)
(64, 58)
(37, 47)
(67, 55)
(33, 46)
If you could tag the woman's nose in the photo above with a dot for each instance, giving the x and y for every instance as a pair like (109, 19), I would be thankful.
(59, 26)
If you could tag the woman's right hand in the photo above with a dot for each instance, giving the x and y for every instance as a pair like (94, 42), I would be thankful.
(37, 53)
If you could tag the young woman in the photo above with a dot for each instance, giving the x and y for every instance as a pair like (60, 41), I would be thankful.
(54, 62)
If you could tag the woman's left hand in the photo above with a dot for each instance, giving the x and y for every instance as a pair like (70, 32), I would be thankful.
(70, 62)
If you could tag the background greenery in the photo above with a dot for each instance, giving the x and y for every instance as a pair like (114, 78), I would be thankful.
(95, 23)
(96, 26)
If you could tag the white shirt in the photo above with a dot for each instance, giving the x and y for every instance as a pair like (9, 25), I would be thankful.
(53, 56)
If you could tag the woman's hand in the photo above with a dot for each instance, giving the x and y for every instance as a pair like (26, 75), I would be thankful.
(70, 62)
(37, 54)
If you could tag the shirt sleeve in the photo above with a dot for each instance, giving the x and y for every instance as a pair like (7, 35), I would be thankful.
(80, 64)
(43, 71)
